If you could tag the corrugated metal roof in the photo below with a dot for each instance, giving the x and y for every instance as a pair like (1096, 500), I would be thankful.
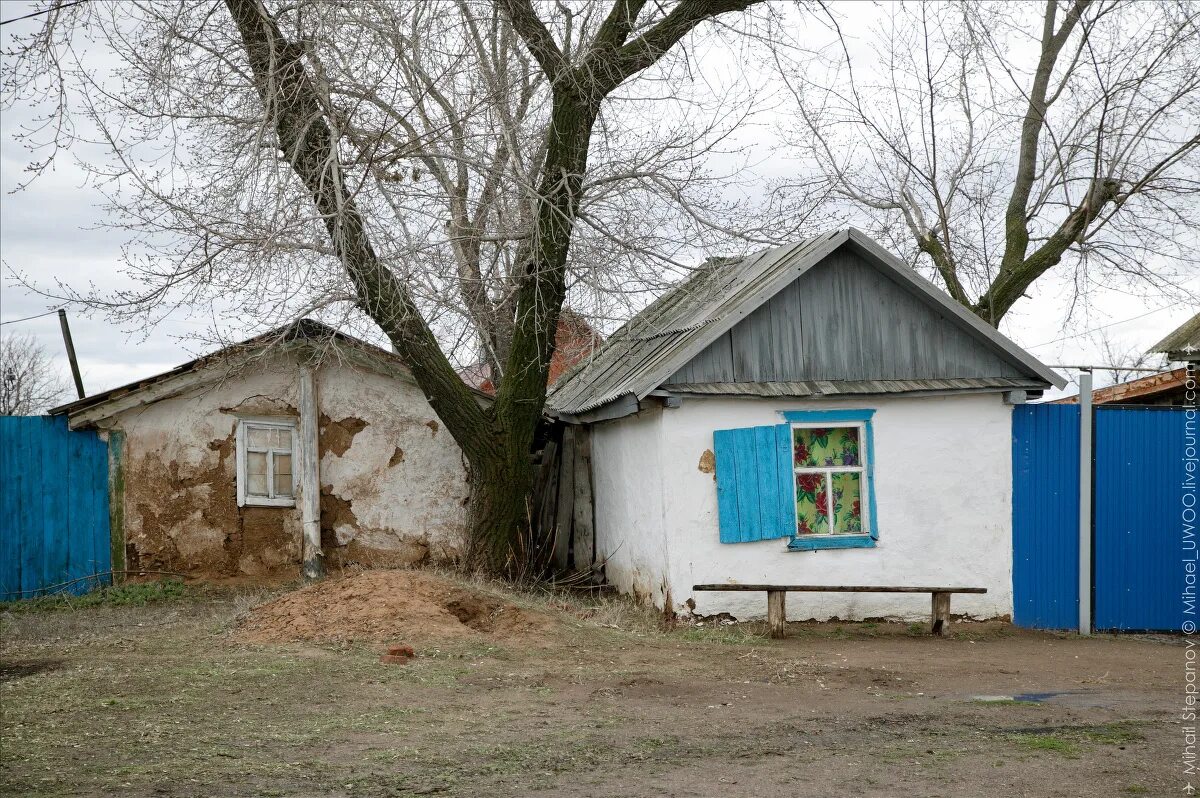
(841, 387)
(684, 320)
(1183, 341)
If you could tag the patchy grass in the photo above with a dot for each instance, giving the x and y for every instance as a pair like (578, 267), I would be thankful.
(133, 698)
(1045, 742)
(137, 594)
(1070, 740)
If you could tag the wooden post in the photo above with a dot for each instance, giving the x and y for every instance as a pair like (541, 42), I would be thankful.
(777, 613)
(310, 477)
(116, 502)
(941, 613)
(66, 334)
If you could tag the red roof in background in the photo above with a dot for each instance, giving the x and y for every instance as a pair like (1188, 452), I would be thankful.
(1141, 390)
(575, 341)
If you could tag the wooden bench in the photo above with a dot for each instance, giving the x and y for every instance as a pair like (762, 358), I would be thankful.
(776, 595)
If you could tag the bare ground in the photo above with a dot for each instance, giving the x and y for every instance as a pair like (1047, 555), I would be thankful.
(169, 700)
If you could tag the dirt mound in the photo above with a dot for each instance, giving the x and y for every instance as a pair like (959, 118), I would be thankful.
(388, 605)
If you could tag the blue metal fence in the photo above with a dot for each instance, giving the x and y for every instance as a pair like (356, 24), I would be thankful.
(1138, 562)
(1046, 516)
(1137, 536)
(54, 524)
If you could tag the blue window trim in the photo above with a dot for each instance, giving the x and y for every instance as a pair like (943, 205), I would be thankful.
(867, 541)
(832, 542)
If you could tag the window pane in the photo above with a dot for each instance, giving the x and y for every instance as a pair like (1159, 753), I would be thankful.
(256, 463)
(812, 505)
(281, 439)
(258, 437)
(847, 505)
(825, 446)
(283, 464)
(256, 484)
(283, 484)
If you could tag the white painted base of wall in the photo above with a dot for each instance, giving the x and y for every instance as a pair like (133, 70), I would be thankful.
(943, 484)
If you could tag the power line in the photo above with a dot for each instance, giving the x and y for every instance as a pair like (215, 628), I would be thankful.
(28, 318)
(1105, 326)
(43, 11)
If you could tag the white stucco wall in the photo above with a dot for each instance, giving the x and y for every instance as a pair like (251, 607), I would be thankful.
(627, 463)
(943, 489)
(393, 483)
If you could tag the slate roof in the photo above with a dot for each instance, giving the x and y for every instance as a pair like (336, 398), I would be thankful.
(1183, 343)
(648, 349)
(302, 330)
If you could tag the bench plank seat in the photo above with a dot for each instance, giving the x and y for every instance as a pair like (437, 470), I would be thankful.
(777, 595)
(842, 588)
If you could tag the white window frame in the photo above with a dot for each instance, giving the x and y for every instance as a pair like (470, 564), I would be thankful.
(829, 471)
(243, 499)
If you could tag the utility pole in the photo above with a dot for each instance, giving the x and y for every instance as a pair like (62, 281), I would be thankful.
(66, 331)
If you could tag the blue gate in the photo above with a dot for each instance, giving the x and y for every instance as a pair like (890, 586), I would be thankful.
(54, 525)
(1138, 556)
(1046, 516)
(1138, 546)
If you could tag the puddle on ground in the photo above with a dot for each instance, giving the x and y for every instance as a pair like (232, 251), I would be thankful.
(1064, 698)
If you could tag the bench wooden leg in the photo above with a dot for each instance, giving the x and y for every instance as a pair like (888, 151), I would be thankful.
(941, 613)
(777, 612)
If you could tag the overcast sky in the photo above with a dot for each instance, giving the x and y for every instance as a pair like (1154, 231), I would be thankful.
(53, 231)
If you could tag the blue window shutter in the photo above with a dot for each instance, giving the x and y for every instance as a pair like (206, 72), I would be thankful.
(753, 489)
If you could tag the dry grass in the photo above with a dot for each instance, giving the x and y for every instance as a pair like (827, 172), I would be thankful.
(160, 699)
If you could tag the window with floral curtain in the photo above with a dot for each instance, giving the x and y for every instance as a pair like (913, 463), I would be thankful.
(830, 469)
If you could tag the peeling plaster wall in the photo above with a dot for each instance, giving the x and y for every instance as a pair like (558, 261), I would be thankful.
(393, 489)
(393, 485)
(181, 510)
(943, 487)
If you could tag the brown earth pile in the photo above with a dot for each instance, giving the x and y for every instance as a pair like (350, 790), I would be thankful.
(388, 605)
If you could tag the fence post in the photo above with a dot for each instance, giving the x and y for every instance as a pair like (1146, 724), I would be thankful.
(1085, 502)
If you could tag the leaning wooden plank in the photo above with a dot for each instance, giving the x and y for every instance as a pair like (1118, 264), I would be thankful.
(843, 588)
(566, 500)
(583, 526)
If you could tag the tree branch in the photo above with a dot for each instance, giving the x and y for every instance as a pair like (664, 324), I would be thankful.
(292, 104)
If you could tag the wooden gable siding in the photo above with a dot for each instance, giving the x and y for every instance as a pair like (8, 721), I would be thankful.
(843, 320)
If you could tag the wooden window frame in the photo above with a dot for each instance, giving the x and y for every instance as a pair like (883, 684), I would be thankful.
(244, 499)
(828, 471)
(841, 418)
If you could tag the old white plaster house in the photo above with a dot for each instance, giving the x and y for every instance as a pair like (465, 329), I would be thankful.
(300, 445)
(817, 413)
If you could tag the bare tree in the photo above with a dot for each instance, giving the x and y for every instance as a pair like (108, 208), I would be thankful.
(29, 383)
(996, 142)
(426, 168)
(1125, 362)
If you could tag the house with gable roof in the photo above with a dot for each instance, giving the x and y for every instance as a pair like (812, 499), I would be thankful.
(815, 413)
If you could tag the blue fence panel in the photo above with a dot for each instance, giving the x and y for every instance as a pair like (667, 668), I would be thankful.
(54, 525)
(1139, 542)
(1046, 516)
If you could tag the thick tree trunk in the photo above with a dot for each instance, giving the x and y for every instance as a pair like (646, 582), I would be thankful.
(497, 441)
(499, 516)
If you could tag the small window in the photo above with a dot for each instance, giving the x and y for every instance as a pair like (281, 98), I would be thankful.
(264, 461)
(830, 472)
